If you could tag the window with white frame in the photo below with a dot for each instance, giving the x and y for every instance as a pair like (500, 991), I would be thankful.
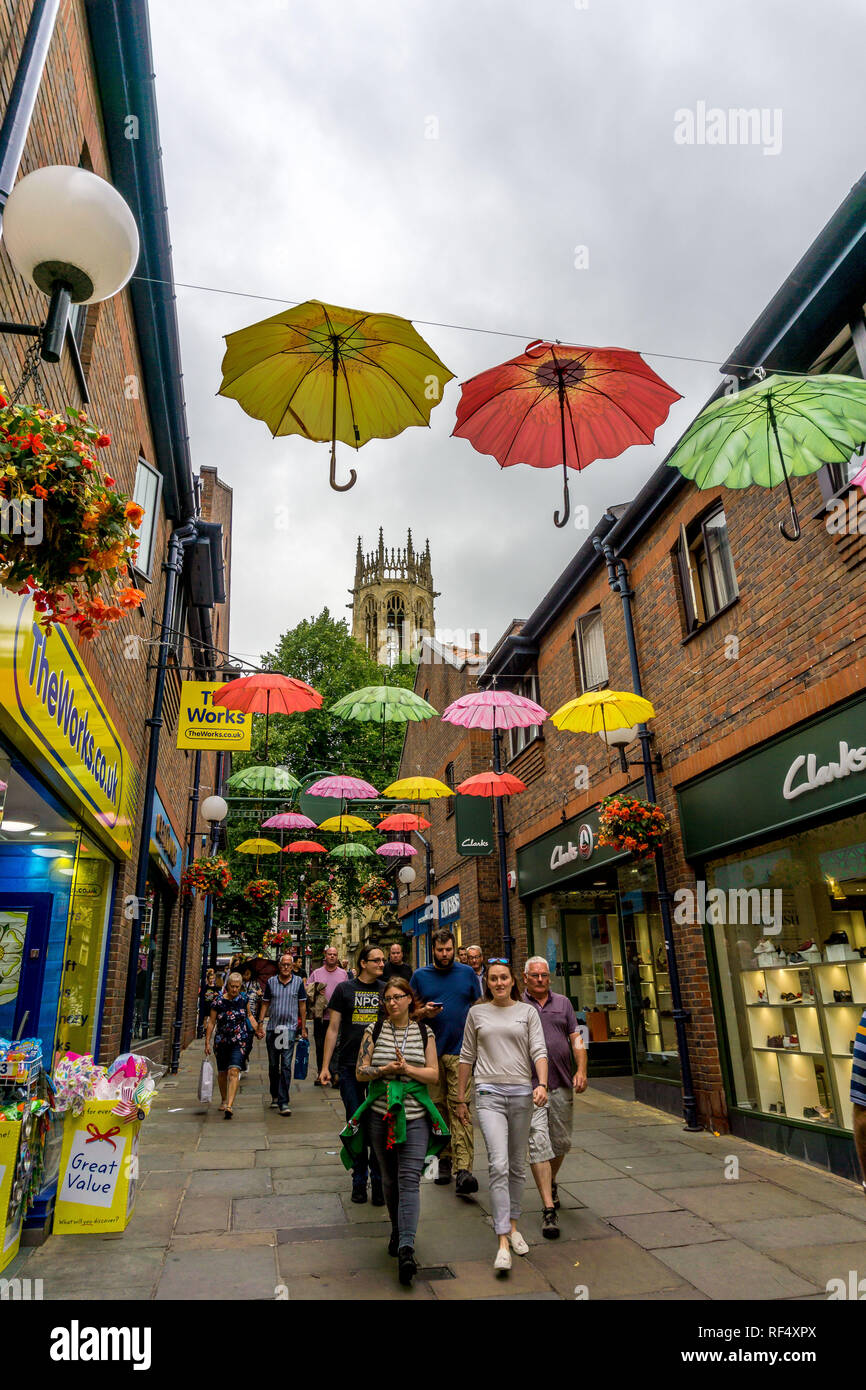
(709, 581)
(591, 651)
(519, 738)
(147, 493)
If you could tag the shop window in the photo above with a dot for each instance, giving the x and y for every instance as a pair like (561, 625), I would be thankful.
(147, 493)
(589, 635)
(845, 356)
(787, 920)
(518, 739)
(449, 781)
(707, 575)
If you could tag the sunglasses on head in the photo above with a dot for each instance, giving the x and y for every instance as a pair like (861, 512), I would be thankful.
(498, 960)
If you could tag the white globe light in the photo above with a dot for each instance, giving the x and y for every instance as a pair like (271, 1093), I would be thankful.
(407, 874)
(63, 223)
(618, 738)
(214, 808)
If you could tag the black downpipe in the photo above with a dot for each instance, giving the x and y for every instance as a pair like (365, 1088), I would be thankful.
(507, 941)
(25, 89)
(186, 912)
(173, 566)
(617, 575)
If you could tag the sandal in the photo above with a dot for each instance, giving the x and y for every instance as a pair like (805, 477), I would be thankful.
(227, 1114)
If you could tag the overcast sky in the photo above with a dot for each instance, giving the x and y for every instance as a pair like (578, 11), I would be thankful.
(299, 164)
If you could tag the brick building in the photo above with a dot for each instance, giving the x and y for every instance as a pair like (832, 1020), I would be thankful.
(98, 970)
(753, 653)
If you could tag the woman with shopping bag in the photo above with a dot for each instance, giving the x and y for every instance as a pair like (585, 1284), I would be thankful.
(231, 1021)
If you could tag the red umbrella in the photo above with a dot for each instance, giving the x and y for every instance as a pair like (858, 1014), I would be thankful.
(556, 404)
(491, 784)
(305, 847)
(403, 822)
(267, 693)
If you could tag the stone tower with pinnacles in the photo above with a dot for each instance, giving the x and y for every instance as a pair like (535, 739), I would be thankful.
(392, 600)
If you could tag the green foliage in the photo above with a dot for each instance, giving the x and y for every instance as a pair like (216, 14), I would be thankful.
(243, 921)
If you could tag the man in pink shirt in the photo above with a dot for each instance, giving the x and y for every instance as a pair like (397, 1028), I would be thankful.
(320, 986)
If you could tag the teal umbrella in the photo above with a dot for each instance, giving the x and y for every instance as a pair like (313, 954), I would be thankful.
(263, 779)
(351, 850)
(778, 428)
(383, 704)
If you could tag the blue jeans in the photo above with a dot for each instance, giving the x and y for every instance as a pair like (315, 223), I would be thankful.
(353, 1093)
(402, 1168)
(280, 1061)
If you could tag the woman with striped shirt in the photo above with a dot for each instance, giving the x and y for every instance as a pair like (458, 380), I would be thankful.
(400, 1049)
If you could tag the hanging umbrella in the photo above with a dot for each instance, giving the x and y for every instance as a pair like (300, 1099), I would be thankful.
(263, 778)
(778, 428)
(305, 847)
(600, 710)
(417, 789)
(491, 784)
(494, 709)
(343, 823)
(349, 788)
(403, 822)
(289, 820)
(330, 373)
(267, 693)
(396, 849)
(556, 404)
(352, 850)
(383, 704)
(258, 847)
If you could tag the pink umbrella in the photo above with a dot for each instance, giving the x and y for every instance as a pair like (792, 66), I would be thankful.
(349, 788)
(396, 849)
(289, 820)
(494, 709)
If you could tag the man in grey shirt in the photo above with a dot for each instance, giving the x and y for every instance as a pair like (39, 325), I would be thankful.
(284, 1011)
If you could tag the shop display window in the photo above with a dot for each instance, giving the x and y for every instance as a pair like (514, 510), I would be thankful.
(792, 966)
(86, 945)
(649, 995)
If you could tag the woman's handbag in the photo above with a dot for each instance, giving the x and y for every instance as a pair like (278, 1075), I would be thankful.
(205, 1082)
(302, 1059)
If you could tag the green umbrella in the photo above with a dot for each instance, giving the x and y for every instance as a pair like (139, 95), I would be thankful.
(778, 427)
(383, 704)
(263, 779)
(351, 850)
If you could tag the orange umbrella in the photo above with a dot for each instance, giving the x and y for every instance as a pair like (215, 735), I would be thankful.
(267, 693)
(491, 784)
(403, 822)
(305, 847)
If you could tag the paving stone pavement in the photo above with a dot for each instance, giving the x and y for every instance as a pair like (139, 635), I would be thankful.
(259, 1208)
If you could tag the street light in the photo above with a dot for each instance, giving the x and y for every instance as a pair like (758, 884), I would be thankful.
(214, 809)
(620, 739)
(407, 874)
(70, 234)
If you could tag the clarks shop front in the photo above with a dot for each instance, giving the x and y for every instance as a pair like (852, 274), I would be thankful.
(67, 812)
(778, 838)
(594, 915)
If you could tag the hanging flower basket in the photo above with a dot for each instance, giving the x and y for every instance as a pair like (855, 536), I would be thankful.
(319, 896)
(627, 823)
(206, 876)
(376, 892)
(67, 532)
(278, 938)
(264, 892)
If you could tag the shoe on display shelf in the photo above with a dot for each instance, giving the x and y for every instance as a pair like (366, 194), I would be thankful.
(842, 996)
(775, 1040)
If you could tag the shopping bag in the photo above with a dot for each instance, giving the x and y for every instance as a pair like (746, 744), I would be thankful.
(205, 1082)
(302, 1059)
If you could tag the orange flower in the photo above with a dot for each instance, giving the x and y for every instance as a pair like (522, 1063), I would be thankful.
(39, 491)
(103, 441)
(109, 482)
(134, 513)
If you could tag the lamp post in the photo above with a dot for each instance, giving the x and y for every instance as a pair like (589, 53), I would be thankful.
(25, 89)
(213, 810)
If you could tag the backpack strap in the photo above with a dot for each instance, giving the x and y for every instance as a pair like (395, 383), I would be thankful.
(377, 1028)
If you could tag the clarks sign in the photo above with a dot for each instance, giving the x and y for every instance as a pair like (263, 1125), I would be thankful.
(797, 781)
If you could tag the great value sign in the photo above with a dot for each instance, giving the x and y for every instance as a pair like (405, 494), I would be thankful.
(202, 724)
(47, 694)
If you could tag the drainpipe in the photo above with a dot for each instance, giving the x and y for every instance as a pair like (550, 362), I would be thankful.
(507, 941)
(172, 567)
(25, 89)
(617, 575)
(184, 921)
(209, 947)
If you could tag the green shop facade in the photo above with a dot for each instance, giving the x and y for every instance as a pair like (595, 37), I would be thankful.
(777, 840)
(594, 916)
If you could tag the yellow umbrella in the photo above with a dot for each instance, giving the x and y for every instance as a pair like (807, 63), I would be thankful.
(351, 823)
(600, 710)
(417, 789)
(258, 847)
(330, 373)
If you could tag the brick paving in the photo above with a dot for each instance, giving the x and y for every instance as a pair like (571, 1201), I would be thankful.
(259, 1208)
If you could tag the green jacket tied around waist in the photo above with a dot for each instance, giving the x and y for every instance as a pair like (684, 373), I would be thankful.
(395, 1092)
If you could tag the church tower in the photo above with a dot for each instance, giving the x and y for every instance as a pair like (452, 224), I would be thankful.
(392, 600)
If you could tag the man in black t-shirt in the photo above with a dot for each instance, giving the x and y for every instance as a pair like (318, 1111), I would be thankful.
(354, 1007)
(395, 965)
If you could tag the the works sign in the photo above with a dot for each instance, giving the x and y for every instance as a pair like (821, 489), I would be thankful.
(47, 694)
(818, 767)
(202, 724)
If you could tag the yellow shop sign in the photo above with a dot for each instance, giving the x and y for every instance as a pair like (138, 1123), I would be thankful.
(202, 724)
(47, 695)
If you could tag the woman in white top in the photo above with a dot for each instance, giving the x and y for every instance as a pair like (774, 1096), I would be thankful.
(399, 1050)
(502, 1041)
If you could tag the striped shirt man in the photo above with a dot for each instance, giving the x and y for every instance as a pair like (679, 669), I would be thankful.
(282, 1000)
(858, 1068)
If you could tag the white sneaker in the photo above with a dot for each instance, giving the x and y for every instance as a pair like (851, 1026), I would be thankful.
(503, 1259)
(518, 1244)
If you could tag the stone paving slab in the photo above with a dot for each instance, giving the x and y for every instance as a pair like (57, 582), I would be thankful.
(687, 1177)
(478, 1280)
(198, 1214)
(221, 1240)
(784, 1232)
(606, 1146)
(610, 1268)
(366, 1284)
(345, 1256)
(738, 1201)
(637, 1164)
(237, 1182)
(725, 1265)
(620, 1197)
(820, 1263)
(229, 1275)
(658, 1230)
(288, 1181)
(250, 1137)
(211, 1159)
(250, 1213)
